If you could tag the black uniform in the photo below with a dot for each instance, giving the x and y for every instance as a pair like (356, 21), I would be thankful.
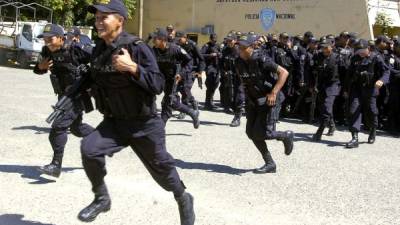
(212, 70)
(327, 83)
(130, 116)
(169, 60)
(257, 77)
(65, 72)
(363, 74)
(394, 98)
(231, 87)
(198, 66)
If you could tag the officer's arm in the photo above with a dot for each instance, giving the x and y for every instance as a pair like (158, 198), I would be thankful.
(148, 75)
(282, 76)
(81, 55)
(186, 61)
(384, 71)
(200, 59)
(43, 56)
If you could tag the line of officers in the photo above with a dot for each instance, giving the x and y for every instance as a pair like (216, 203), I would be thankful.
(332, 80)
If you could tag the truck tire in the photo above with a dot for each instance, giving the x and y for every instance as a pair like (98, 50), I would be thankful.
(3, 58)
(22, 60)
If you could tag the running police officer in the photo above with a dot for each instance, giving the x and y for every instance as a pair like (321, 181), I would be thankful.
(65, 63)
(211, 52)
(126, 82)
(367, 74)
(326, 80)
(261, 88)
(171, 58)
(198, 69)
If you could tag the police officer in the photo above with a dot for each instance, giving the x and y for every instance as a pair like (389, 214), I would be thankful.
(367, 74)
(75, 37)
(231, 87)
(170, 57)
(211, 52)
(394, 90)
(327, 82)
(292, 58)
(171, 33)
(198, 69)
(255, 69)
(64, 63)
(126, 82)
(345, 53)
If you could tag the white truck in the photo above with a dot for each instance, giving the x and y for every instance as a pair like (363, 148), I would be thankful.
(18, 39)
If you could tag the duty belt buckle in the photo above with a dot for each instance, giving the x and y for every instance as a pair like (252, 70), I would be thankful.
(261, 101)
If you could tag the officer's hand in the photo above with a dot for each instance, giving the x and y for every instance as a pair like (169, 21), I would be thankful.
(271, 99)
(45, 64)
(178, 78)
(379, 84)
(203, 74)
(124, 63)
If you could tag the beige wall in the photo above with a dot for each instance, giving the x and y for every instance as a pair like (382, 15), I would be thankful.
(320, 16)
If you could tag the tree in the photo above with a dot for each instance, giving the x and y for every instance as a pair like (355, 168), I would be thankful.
(74, 12)
(384, 21)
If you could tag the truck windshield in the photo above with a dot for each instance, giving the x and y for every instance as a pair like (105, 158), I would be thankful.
(38, 30)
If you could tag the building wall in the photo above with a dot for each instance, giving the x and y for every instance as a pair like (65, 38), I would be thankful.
(293, 16)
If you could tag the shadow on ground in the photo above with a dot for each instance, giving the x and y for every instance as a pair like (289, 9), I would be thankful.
(18, 219)
(209, 167)
(32, 173)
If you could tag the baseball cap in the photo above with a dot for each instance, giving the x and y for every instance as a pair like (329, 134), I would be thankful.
(109, 6)
(51, 30)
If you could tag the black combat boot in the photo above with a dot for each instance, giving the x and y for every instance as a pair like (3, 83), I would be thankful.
(372, 136)
(354, 141)
(195, 105)
(269, 167)
(181, 116)
(287, 139)
(236, 120)
(209, 105)
(317, 136)
(332, 129)
(195, 117)
(101, 203)
(54, 168)
(186, 211)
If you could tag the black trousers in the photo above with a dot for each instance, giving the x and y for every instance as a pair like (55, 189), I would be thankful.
(362, 104)
(145, 137)
(71, 120)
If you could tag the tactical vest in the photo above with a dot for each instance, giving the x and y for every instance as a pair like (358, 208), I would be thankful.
(64, 70)
(115, 93)
(166, 61)
(284, 59)
(365, 72)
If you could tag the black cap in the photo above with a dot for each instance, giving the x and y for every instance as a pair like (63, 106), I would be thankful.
(344, 34)
(383, 38)
(160, 33)
(313, 40)
(109, 6)
(247, 40)
(170, 27)
(51, 30)
(327, 42)
(74, 31)
(353, 35)
(308, 34)
(230, 37)
(213, 36)
(284, 35)
(360, 45)
(180, 34)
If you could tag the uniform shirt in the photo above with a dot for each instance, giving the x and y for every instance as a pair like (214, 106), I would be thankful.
(198, 59)
(207, 50)
(120, 95)
(170, 57)
(327, 73)
(228, 57)
(256, 75)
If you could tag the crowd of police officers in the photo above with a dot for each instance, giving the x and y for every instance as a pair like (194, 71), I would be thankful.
(332, 80)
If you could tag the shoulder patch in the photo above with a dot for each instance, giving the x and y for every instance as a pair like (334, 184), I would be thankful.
(183, 51)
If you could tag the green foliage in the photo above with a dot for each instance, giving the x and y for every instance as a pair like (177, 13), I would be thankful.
(74, 12)
(384, 21)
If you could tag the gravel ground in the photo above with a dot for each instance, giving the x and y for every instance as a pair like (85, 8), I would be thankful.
(320, 183)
